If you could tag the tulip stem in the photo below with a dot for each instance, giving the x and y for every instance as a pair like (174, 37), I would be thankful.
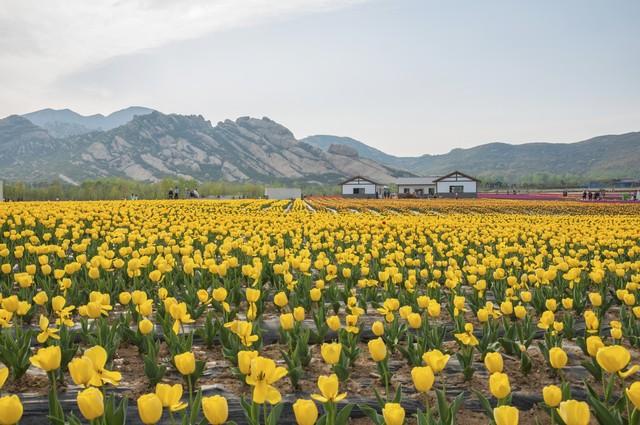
(190, 391)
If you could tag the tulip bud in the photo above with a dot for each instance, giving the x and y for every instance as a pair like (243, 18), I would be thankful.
(499, 385)
(298, 314)
(150, 408)
(506, 415)
(613, 358)
(286, 321)
(595, 298)
(574, 412)
(493, 362)
(91, 403)
(377, 328)
(558, 358)
(393, 414)
(305, 411)
(552, 395)
(145, 326)
(333, 322)
(280, 299)
(124, 298)
(414, 320)
(244, 361)
(377, 349)
(185, 363)
(423, 378)
(633, 393)
(331, 352)
(10, 409)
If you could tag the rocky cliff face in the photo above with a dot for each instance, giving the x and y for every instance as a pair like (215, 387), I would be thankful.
(154, 146)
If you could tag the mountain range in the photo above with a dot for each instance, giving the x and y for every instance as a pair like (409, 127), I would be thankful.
(147, 145)
(154, 146)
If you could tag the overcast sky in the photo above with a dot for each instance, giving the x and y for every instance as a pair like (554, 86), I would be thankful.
(406, 76)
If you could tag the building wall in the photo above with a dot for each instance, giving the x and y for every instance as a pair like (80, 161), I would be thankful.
(283, 193)
(413, 187)
(470, 188)
(369, 188)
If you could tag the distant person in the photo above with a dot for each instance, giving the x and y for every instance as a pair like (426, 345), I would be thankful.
(590, 195)
(170, 193)
(596, 196)
(584, 195)
(176, 193)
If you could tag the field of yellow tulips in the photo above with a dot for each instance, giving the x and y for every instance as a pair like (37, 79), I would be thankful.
(328, 311)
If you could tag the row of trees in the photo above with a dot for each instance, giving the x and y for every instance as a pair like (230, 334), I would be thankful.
(117, 188)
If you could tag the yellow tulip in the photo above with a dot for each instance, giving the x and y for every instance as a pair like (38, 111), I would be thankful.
(170, 396)
(574, 412)
(145, 326)
(329, 388)
(280, 299)
(633, 394)
(298, 313)
(315, 294)
(124, 298)
(393, 414)
(244, 360)
(215, 409)
(331, 352)
(594, 343)
(613, 358)
(91, 403)
(558, 358)
(436, 360)
(264, 374)
(377, 328)
(4, 374)
(305, 411)
(47, 358)
(252, 295)
(595, 298)
(333, 322)
(98, 356)
(41, 298)
(377, 349)
(552, 395)
(185, 363)
(493, 362)
(10, 410)
(423, 378)
(286, 321)
(81, 370)
(506, 415)
(414, 320)
(499, 385)
(149, 408)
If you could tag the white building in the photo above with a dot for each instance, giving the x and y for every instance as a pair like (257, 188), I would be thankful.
(457, 185)
(416, 186)
(282, 193)
(363, 187)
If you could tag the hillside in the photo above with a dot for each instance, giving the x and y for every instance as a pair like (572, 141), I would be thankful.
(603, 157)
(154, 146)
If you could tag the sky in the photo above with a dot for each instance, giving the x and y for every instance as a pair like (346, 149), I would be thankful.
(406, 76)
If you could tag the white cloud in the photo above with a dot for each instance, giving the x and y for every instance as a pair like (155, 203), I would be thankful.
(41, 41)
